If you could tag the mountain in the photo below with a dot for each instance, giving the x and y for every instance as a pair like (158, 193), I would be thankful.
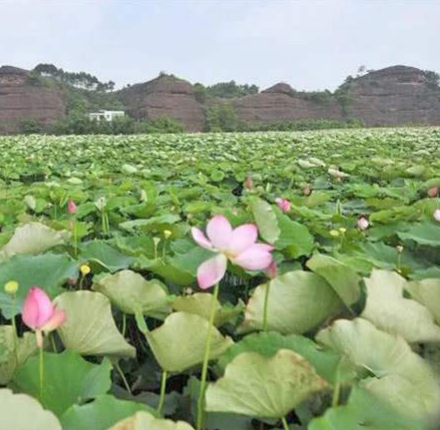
(23, 97)
(397, 95)
(165, 96)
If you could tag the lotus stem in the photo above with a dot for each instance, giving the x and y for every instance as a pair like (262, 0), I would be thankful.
(124, 379)
(75, 239)
(163, 387)
(124, 323)
(41, 374)
(201, 400)
(285, 424)
(266, 308)
(336, 388)
(14, 328)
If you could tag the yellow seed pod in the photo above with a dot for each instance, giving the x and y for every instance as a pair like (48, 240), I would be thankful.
(11, 287)
(343, 230)
(334, 233)
(85, 269)
(399, 249)
(167, 233)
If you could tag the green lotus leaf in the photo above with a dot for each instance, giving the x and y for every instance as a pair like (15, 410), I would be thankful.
(295, 239)
(363, 412)
(298, 301)
(200, 304)
(425, 233)
(403, 380)
(426, 292)
(68, 379)
(267, 387)
(341, 277)
(22, 412)
(132, 293)
(167, 270)
(48, 271)
(104, 255)
(179, 343)
(32, 238)
(328, 364)
(89, 328)
(145, 421)
(266, 220)
(390, 311)
(101, 414)
(26, 346)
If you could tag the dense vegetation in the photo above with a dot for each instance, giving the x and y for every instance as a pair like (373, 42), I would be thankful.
(340, 332)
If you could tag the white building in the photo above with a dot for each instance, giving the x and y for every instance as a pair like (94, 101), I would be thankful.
(106, 115)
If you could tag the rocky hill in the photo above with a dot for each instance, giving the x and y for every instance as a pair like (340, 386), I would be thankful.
(282, 103)
(23, 98)
(396, 95)
(165, 96)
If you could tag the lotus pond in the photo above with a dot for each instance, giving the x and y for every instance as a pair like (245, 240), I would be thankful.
(221, 281)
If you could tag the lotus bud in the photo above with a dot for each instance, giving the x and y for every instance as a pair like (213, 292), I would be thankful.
(71, 207)
(307, 191)
(437, 215)
(363, 223)
(433, 192)
(248, 183)
(283, 204)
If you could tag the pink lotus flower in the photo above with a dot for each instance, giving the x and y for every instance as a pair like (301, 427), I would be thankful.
(272, 270)
(71, 207)
(437, 215)
(363, 223)
(236, 245)
(40, 315)
(283, 204)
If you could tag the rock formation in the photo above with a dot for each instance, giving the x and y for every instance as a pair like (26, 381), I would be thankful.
(282, 103)
(396, 95)
(165, 96)
(22, 97)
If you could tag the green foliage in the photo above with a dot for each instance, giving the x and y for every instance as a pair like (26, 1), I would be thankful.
(81, 80)
(433, 79)
(372, 364)
(302, 125)
(200, 92)
(29, 126)
(230, 89)
(221, 117)
(80, 124)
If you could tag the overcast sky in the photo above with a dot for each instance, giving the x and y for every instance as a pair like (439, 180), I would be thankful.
(311, 44)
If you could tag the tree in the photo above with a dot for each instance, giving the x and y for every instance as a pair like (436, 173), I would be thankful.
(221, 117)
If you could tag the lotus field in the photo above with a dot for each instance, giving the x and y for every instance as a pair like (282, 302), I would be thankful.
(221, 281)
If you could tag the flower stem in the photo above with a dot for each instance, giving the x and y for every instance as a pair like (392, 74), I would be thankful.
(266, 308)
(41, 374)
(124, 323)
(285, 425)
(336, 388)
(201, 400)
(163, 387)
(14, 327)
(75, 239)
(124, 379)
